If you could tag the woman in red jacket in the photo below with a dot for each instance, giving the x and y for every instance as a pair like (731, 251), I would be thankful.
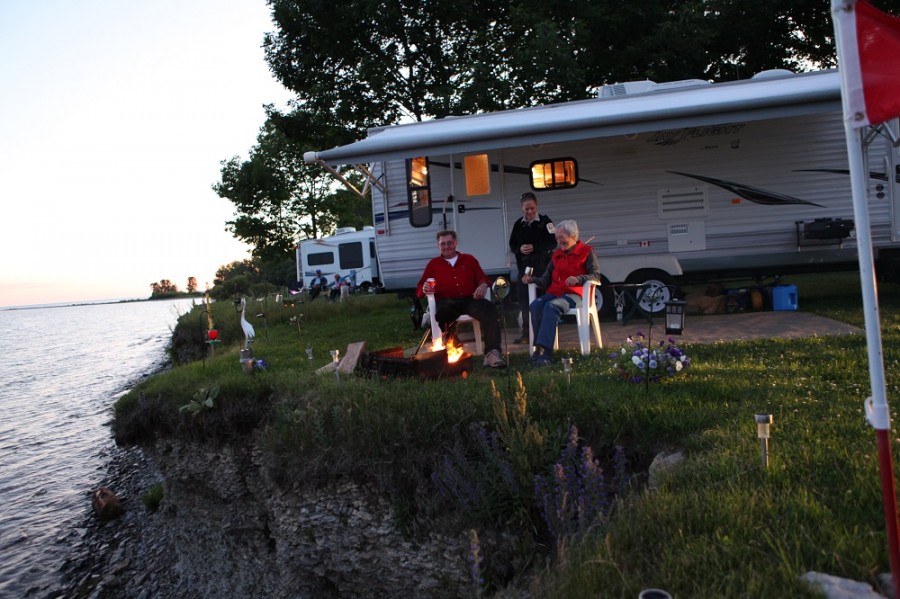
(571, 265)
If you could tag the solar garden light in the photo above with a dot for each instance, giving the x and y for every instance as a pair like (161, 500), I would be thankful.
(309, 355)
(675, 317)
(567, 368)
(237, 306)
(762, 431)
(336, 357)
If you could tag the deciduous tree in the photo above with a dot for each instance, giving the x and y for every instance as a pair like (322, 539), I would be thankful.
(279, 199)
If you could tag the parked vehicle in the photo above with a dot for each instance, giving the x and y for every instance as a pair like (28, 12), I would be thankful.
(348, 252)
(672, 182)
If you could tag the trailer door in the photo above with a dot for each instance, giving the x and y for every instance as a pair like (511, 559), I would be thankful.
(479, 211)
(893, 181)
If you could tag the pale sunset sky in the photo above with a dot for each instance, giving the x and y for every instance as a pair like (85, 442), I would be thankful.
(114, 117)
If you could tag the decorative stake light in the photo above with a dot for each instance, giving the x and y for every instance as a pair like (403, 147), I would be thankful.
(567, 368)
(309, 355)
(237, 306)
(762, 431)
(500, 288)
(336, 357)
(675, 317)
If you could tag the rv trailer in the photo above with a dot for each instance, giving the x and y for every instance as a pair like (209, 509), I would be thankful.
(349, 253)
(671, 182)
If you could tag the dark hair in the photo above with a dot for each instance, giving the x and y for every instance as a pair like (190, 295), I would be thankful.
(528, 196)
(449, 232)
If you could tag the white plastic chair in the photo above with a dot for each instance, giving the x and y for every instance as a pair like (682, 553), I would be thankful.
(464, 318)
(586, 317)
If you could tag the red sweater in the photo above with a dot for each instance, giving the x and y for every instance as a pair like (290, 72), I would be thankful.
(569, 264)
(453, 282)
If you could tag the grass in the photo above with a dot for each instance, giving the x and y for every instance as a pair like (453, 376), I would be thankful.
(719, 526)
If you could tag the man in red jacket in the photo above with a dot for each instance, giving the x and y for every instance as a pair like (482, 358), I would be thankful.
(459, 286)
(571, 266)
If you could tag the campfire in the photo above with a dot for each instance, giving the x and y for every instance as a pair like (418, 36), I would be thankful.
(439, 362)
(455, 350)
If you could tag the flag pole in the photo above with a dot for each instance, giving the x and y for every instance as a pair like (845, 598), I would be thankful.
(876, 407)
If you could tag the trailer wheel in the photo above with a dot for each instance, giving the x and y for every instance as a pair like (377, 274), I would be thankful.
(659, 289)
(603, 295)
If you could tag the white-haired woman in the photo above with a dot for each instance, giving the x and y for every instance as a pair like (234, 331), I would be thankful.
(571, 265)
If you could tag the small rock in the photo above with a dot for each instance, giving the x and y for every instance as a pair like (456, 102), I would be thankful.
(106, 505)
(834, 587)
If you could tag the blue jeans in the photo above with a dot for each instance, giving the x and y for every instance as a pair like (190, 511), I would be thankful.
(545, 313)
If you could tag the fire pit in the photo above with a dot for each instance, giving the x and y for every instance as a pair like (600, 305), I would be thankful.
(391, 363)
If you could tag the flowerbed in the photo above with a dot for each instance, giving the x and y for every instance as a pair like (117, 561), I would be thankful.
(637, 360)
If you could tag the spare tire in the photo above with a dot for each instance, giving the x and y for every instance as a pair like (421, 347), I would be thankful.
(660, 288)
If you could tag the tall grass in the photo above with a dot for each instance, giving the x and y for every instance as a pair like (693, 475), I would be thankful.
(718, 526)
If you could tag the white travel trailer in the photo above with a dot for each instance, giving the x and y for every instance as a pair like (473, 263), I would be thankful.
(670, 182)
(348, 252)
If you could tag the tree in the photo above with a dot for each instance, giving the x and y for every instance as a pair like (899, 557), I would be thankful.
(163, 287)
(279, 199)
(192, 285)
(434, 59)
(235, 279)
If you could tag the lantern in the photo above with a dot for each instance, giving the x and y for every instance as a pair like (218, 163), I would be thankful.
(675, 317)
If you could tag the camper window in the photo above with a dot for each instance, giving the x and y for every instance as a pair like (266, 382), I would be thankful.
(320, 258)
(351, 255)
(558, 173)
(419, 190)
(478, 175)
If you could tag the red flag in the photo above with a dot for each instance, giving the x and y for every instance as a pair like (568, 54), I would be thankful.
(869, 45)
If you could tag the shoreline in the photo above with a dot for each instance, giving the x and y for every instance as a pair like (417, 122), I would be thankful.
(119, 558)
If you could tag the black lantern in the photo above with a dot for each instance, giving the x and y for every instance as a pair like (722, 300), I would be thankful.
(675, 317)
(237, 306)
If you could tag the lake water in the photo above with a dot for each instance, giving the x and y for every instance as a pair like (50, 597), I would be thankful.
(62, 370)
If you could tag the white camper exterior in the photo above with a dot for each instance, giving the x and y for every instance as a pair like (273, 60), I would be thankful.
(670, 182)
(348, 252)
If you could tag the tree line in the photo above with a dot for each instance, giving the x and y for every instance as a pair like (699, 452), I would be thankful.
(359, 64)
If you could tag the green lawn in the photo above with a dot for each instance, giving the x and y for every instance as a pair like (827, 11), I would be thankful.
(719, 526)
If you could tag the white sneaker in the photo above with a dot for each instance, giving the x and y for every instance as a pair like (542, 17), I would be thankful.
(494, 359)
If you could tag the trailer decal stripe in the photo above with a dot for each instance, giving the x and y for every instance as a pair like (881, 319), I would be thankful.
(756, 195)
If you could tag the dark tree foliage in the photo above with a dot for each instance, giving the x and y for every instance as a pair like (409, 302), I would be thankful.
(364, 63)
(279, 199)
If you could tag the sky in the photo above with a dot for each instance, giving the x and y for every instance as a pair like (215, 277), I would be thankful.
(114, 119)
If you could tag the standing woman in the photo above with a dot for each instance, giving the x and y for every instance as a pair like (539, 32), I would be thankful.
(532, 240)
(571, 266)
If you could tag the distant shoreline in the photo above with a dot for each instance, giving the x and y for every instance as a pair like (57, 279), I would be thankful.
(100, 302)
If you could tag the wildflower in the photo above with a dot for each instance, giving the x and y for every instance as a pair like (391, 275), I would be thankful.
(638, 361)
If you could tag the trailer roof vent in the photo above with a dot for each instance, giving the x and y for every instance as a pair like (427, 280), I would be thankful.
(773, 74)
(628, 88)
(344, 230)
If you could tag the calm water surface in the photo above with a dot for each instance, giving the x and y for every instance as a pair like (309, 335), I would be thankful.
(61, 370)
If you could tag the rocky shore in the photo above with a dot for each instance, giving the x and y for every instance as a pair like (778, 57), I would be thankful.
(224, 529)
(121, 558)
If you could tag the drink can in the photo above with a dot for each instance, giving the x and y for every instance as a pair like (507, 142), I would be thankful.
(429, 285)
(529, 271)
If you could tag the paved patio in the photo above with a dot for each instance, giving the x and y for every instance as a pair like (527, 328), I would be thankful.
(700, 329)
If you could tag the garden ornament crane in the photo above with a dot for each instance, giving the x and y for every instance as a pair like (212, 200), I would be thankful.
(249, 333)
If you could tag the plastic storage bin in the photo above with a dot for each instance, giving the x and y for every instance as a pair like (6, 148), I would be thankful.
(784, 297)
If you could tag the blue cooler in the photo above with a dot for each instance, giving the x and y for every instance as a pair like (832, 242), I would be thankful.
(784, 297)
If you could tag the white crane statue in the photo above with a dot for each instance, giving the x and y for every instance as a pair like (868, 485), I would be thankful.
(249, 333)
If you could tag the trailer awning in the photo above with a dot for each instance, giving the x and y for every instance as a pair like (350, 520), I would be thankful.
(737, 101)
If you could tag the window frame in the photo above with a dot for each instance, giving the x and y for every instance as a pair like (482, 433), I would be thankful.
(551, 161)
(413, 192)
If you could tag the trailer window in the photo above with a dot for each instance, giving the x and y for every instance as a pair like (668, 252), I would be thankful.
(320, 258)
(419, 190)
(351, 255)
(478, 175)
(559, 173)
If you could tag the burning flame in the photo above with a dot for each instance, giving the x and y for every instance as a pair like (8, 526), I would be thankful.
(454, 350)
